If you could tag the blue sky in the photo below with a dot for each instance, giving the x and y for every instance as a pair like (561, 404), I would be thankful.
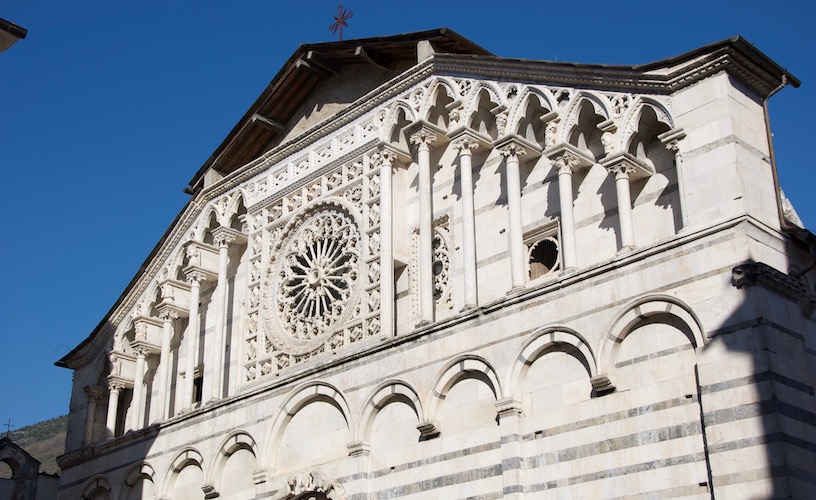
(109, 108)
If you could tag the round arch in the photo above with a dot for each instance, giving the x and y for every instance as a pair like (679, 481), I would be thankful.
(188, 456)
(301, 396)
(543, 341)
(461, 368)
(139, 471)
(638, 311)
(95, 486)
(390, 391)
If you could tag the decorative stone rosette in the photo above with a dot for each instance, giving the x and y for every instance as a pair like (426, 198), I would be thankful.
(313, 278)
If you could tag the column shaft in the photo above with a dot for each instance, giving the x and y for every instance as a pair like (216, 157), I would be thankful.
(426, 295)
(220, 323)
(163, 375)
(516, 243)
(624, 209)
(113, 411)
(192, 345)
(137, 405)
(386, 249)
(468, 228)
(567, 218)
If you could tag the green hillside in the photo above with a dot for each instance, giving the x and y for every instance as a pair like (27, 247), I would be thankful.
(44, 441)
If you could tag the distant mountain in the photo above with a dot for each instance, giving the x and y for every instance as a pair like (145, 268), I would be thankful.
(44, 441)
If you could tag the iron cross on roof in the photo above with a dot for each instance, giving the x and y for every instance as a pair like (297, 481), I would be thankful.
(340, 19)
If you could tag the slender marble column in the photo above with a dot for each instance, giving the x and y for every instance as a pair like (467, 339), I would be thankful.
(114, 389)
(624, 206)
(466, 147)
(194, 279)
(511, 153)
(137, 415)
(223, 237)
(94, 393)
(566, 163)
(386, 159)
(163, 376)
(423, 140)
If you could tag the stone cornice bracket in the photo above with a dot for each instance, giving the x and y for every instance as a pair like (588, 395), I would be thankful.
(671, 138)
(466, 141)
(515, 146)
(624, 164)
(224, 236)
(602, 385)
(175, 296)
(168, 311)
(202, 261)
(566, 156)
(427, 430)
(209, 491)
(359, 448)
(759, 273)
(118, 384)
(508, 407)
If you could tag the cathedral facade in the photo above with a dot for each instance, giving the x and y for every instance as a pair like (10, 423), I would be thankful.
(415, 269)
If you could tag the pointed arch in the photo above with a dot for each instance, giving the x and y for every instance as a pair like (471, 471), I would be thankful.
(478, 115)
(599, 104)
(631, 120)
(519, 111)
(301, 396)
(461, 368)
(390, 391)
(391, 131)
(430, 102)
(547, 339)
(635, 313)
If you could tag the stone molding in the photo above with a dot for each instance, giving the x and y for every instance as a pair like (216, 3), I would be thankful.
(759, 273)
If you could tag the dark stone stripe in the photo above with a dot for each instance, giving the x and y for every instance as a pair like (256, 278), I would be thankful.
(766, 439)
(614, 444)
(654, 355)
(752, 323)
(760, 408)
(620, 471)
(441, 482)
(756, 379)
(677, 491)
(611, 417)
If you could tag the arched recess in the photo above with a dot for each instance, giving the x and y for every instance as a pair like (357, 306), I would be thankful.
(299, 398)
(633, 118)
(393, 129)
(548, 339)
(639, 311)
(485, 103)
(436, 107)
(140, 483)
(461, 368)
(232, 467)
(525, 118)
(97, 488)
(391, 391)
(580, 127)
(185, 477)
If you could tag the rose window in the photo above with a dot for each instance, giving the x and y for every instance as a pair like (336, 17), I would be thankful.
(317, 275)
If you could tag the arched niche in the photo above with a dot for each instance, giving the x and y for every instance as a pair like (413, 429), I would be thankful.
(479, 389)
(527, 122)
(554, 339)
(139, 483)
(485, 106)
(390, 422)
(97, 488)
(400, 116)
(671, 316)
(234, 465)
(581, 127)
(436, 109)
(186, 478)
(323, 429)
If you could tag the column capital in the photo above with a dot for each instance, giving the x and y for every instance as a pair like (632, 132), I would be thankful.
(513, 147)
(115, 386)
(423, 134)
(507, 407)
(567, 158)
(672, 138)
(196, 276)
(224, 236)
(626, 166)
(467, 140)
(388, 153)
(94, 392)
(423, 138)
(168, 312)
